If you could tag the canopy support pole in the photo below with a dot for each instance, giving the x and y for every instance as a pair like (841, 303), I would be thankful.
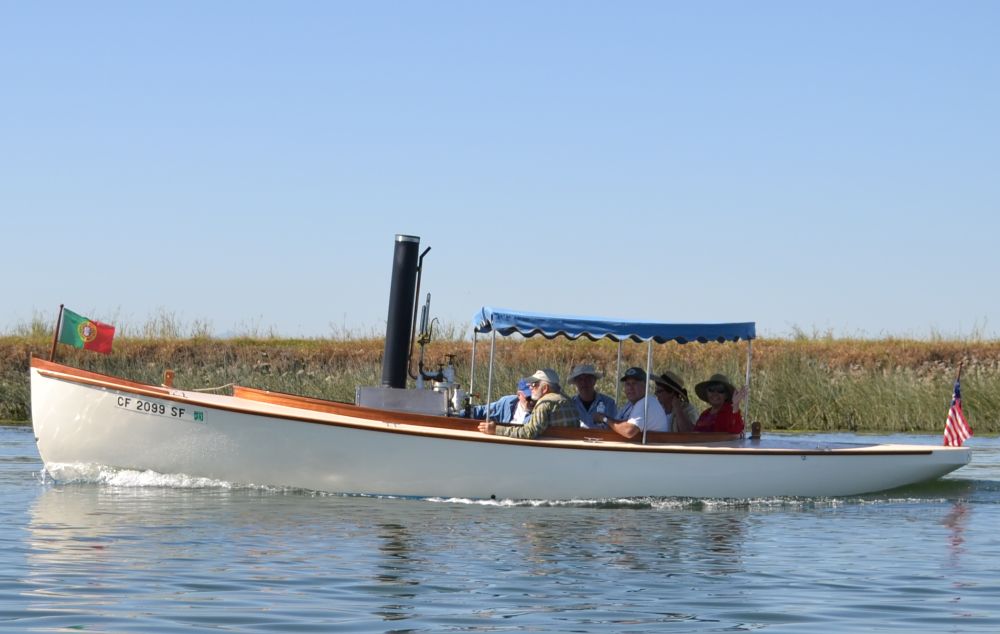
(618, 373)
(746, 401)
(489, 376)
(645, 400)
(472, 363)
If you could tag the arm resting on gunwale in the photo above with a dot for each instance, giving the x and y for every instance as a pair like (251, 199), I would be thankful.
(552, 410)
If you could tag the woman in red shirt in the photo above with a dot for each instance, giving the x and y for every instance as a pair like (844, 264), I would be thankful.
(723, 414)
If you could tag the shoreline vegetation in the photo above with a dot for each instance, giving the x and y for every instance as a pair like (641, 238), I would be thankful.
(800, 384)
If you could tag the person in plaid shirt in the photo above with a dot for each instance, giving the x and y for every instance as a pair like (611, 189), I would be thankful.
(552, 409)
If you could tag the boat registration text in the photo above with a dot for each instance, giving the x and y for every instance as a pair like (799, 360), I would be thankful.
(159, 408)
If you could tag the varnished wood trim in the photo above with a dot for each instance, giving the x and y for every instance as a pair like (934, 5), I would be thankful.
(568, 433)
(42, 364)
(350, 409)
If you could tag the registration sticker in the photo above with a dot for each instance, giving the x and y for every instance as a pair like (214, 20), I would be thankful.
(156, 407)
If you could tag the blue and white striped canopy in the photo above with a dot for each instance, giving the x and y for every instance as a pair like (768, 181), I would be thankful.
(507, 322)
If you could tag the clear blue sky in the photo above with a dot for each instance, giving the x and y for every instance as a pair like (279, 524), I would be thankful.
(820, 166)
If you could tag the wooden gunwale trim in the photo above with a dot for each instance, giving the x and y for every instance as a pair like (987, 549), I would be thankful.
(69, 374)
(349, 409)
(42, 364)
(430, 420)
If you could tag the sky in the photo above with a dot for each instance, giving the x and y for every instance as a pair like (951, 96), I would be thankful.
(821, 168)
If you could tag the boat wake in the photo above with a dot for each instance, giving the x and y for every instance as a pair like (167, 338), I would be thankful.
(80, 473)
(938, 491)
(664, 504)
(944, 490)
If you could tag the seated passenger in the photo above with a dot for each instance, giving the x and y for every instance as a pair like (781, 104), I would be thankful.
(552, 409)
(588, 400)
(514, 408)
(670, 392)
(635, 415)
(724, 399)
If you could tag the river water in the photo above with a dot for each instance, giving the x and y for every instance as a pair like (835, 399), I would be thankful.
(140, 552)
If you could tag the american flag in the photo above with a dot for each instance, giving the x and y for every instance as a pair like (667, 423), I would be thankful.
(956, 428)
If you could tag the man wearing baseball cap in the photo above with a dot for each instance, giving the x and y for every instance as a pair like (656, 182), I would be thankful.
(552, 409)
(513, 409)
(636, 415)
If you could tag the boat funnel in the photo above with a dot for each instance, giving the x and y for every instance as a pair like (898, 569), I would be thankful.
(402, 298)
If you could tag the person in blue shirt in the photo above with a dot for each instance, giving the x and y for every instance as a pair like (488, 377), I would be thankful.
(588, 400)
(514, 409)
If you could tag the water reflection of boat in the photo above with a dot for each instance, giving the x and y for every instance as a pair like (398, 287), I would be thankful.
(397, 441)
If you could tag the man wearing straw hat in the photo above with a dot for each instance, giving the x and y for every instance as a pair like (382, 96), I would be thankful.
(673, 397)
(588, 400)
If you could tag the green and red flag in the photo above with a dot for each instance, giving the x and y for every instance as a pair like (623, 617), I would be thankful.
(81, 332)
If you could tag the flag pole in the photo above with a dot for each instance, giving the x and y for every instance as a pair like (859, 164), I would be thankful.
(956, 427)
(55, 335)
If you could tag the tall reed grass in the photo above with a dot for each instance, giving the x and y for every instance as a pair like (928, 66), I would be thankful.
(808, 383)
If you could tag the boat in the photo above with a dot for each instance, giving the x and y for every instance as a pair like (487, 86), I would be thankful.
(400, 441)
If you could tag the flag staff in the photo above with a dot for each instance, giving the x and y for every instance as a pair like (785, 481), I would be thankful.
(55, 335)
(956, 426)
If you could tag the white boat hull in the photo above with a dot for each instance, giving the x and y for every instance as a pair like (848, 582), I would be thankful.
(127, 426)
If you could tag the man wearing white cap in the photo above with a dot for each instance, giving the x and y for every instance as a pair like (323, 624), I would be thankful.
(552, 409)
(588, 400)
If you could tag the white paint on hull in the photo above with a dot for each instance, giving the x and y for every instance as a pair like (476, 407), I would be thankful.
(243, 441)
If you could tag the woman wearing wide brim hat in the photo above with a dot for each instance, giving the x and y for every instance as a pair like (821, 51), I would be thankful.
(723, 413)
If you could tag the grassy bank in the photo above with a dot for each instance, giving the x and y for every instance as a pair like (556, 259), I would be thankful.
(802, 384)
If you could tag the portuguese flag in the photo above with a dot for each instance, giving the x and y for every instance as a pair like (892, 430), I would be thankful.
(81, 332)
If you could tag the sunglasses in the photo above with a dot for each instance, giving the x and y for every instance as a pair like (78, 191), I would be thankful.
(716, 389)
(534, 384)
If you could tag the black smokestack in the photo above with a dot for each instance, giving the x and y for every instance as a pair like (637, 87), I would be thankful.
(400, 322)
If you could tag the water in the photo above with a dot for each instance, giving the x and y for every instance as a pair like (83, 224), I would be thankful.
(133, 552)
